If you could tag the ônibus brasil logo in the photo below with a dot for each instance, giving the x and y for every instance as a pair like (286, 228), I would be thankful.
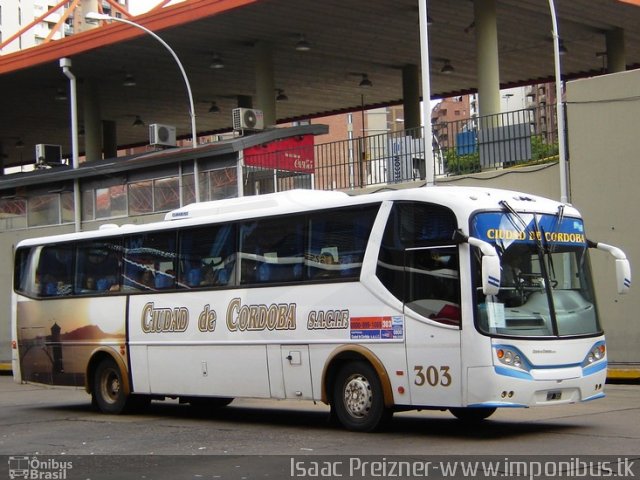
(38, 469)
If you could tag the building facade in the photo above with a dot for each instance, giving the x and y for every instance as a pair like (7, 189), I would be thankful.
(16, 15)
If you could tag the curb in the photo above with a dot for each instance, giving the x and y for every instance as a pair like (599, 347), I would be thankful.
(623, 373)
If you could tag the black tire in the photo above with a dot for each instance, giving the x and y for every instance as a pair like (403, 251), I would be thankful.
(108, 392)
(472, 414)
(357, 401)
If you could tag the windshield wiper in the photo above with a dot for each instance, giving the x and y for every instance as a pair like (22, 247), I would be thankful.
(552, 246)
(545, 274)
(504, 204)
(538, 237)
(559, 218)
(547, 250)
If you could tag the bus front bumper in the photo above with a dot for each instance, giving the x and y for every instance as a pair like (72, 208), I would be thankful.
(501, 387)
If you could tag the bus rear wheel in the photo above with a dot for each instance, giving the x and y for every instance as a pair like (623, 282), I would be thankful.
(357, 399)
(108, 392)
(472, 414)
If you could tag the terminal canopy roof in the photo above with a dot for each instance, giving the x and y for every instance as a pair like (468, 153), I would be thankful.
(347, 39)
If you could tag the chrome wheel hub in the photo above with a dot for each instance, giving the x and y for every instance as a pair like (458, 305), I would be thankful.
(111, 387)
(357, 396)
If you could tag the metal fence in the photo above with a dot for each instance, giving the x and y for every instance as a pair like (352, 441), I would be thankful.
(467, 146)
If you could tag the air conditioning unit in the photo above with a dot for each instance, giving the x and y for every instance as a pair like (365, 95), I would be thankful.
(164, 135)
(48, 154)
(248, 119)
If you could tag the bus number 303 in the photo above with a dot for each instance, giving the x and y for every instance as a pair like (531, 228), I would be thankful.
(432, 375)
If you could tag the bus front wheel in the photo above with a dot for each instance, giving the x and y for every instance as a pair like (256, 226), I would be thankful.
(108, 392)
(472, 414)
(357, 400)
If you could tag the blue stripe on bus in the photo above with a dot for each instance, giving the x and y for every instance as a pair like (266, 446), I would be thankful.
(591, 369)
(508, 372)
(594, 397)
(497, 405)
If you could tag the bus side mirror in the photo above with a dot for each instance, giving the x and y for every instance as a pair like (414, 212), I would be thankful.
(623, 267)
(490, 266)
(623, 275)
(490, 275)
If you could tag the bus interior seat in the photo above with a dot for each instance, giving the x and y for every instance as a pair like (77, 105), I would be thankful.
(164, 280)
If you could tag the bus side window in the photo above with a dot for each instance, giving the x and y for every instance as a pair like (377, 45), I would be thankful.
(418, 263)
(207, 256)
(337, 242)
(55, 270)
(150, 261)
(25, 279)
(272, 250)
(98, 267)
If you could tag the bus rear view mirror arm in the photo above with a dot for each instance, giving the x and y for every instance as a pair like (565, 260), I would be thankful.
(490, 263)
(623, 268)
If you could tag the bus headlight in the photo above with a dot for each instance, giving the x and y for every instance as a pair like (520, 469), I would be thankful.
(511, 357)
(596, 353)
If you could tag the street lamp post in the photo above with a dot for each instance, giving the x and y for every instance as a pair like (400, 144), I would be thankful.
(426, 93)
(562, 156)
(95, 17)
(65, 64)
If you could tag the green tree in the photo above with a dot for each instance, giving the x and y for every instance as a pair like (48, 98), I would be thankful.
(461, 164)
(541, 150)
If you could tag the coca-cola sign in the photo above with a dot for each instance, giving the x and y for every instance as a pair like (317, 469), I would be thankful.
(293, 154)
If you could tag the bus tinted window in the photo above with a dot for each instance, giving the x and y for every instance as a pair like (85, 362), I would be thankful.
(325, 245)
(272, 250)
(295, 248)
(24, 273)
(337, 242)
(54, 274)
(207, 256)
(98, 267)
(418, 262)
(150, 261)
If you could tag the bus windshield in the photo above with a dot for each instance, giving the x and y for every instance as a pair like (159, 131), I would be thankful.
(546, 288)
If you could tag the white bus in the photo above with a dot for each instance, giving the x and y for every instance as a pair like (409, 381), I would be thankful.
(454, 298)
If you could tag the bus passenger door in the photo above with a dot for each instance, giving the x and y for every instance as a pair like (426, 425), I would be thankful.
(432, 309)
(296, 370)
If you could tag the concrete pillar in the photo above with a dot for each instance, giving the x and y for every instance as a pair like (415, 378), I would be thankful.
(487, 56)
(109, 139)
(265, 83)
(411, 98)
(616, 55)
(92, 122)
